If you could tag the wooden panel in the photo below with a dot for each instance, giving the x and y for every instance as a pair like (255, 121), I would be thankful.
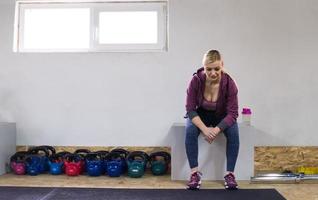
(280, 158)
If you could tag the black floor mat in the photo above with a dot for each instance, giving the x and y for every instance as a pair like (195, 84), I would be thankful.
(23, 193)
(31, 193)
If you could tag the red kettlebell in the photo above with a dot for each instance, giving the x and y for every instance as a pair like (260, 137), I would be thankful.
(17, 162)
(82, 153)
(72, 163)
(18, 168)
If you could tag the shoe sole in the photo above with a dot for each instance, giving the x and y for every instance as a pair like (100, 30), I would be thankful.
(231, 188)
(195, 188)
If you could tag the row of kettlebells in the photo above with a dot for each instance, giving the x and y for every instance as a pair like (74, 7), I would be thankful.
(41, 159)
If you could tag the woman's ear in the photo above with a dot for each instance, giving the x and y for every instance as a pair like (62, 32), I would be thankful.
(222, 66)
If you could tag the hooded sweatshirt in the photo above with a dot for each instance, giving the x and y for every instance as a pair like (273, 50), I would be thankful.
(226, 104)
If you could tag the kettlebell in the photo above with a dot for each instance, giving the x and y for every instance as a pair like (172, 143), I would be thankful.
(17, 162)
(43, 154)
(123, 153)
(159, 162)
(34, 164)
(104, 158)
(82, 153)
(137, 162)
(93, 164)
(72, 163)
(56, 164)
(115, 164)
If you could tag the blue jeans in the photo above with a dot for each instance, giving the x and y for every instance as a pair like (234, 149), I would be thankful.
(192, 133)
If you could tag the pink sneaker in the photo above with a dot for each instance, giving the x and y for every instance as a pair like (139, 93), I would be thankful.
(195, 181)
(230, 183)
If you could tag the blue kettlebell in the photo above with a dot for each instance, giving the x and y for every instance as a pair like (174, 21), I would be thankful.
(123, 153)
(44, 158)
(103, 158)
(56, 168)
(114, 164)
(33, 165)
(93, 164)
(56, 163)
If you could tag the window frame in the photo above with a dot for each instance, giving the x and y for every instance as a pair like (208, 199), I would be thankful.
(95, 8)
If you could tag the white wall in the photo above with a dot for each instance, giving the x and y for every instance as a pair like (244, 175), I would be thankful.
(131, 99)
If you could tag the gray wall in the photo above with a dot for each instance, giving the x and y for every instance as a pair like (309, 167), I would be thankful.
(269, 48)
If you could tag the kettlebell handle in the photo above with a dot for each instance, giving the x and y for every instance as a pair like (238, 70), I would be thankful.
(36, 150)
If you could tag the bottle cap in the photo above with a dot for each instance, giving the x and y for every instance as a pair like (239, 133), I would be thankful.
(246, 111)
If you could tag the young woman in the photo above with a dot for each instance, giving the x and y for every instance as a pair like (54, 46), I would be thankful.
(212, 108)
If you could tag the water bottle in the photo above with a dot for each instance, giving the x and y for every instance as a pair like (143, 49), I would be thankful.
(246, 116)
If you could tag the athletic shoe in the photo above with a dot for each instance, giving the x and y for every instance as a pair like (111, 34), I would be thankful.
(230, 183)
(195, 181)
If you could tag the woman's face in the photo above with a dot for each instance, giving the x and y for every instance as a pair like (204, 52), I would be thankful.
(213, 70)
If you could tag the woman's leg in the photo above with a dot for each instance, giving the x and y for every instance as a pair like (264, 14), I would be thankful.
(191, 143)
(232, 146)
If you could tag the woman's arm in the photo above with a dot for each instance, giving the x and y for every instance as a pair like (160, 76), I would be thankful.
(231, 107)
(208, 132)
(191, 106)
(192, 97)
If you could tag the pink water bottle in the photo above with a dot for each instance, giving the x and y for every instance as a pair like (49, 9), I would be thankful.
(246, 116)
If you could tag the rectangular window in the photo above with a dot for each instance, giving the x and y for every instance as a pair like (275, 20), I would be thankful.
(90, 27)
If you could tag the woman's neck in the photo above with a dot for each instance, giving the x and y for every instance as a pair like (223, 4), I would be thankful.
(213, 82)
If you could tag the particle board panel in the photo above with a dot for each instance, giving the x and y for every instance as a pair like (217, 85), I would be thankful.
(280, 158)
(71, 149)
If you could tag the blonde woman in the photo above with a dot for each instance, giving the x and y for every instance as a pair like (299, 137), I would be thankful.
(212, 108)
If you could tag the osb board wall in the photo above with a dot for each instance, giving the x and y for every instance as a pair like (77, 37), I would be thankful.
(280, 158)
(97, 148)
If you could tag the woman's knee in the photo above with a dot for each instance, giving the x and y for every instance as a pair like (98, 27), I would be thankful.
(192, 132)
(190, 127)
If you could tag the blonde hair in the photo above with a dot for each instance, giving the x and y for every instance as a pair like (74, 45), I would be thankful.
(211, 56)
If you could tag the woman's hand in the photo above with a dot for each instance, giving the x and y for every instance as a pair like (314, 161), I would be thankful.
(210, 133)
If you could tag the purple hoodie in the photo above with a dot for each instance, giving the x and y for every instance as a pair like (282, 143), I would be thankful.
(226, 104)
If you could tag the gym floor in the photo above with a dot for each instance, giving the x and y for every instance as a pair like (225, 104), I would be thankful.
(294, 191)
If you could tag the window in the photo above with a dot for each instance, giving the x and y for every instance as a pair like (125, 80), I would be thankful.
(90, 27)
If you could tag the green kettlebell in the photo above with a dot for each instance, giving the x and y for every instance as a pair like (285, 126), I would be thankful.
(136, 161)
(158, 167)
(136, 169)
(159, 162)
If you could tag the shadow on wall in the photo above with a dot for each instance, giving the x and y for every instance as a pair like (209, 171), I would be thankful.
(212, 157)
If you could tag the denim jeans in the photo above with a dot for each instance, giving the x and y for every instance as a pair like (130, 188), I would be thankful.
(192, 133)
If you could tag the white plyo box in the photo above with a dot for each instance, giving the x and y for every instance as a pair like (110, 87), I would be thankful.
(7, 144)
(212, 157)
